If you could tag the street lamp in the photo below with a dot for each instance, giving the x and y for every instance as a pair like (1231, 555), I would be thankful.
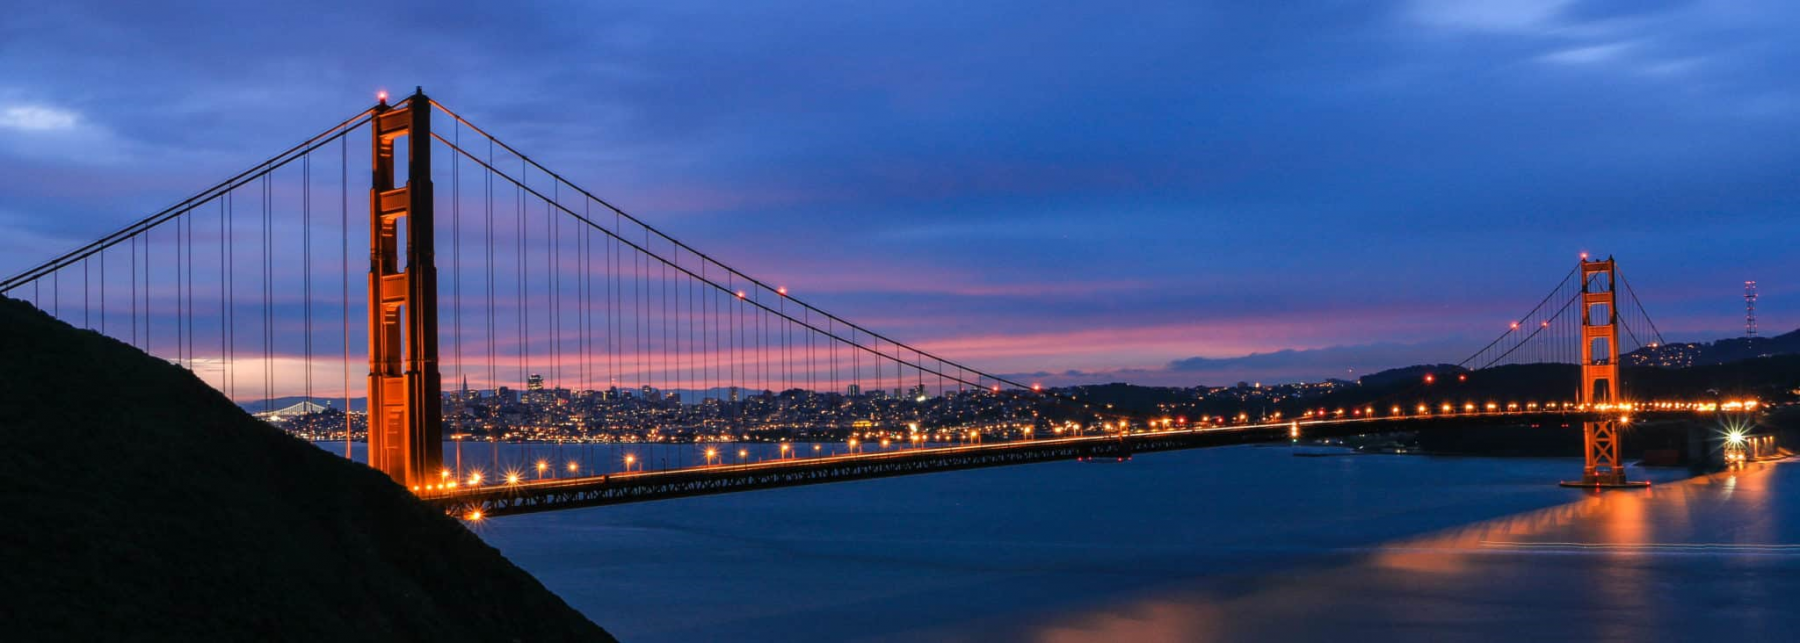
(629, 458)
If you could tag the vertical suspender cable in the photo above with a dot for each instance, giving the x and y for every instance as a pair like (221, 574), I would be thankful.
(344, 259)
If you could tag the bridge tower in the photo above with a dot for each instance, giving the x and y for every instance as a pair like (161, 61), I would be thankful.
(1600, 374)
(405, 403)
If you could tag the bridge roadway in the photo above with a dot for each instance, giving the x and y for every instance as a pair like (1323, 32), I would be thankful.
(617, 488)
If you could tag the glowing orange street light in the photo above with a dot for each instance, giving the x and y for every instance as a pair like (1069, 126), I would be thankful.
(571, 466)
(473, 516)
(542, 466)
(629, 459)
(710, 454)
(784, 449)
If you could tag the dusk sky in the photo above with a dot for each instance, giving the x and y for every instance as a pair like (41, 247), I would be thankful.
(1174, 194)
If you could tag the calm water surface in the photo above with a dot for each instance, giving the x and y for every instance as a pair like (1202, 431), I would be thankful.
(1242, 543)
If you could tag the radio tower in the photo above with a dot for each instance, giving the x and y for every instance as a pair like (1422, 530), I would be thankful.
(1750, 309)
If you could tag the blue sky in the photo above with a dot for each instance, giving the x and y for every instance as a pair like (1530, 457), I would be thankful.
(1173, 193)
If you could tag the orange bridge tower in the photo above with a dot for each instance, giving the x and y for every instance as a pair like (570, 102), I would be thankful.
(405, 404)
(1600, 376)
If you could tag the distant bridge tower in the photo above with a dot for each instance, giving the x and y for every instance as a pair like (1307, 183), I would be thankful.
(1750, 309)
(405, 404)
(1600, 373)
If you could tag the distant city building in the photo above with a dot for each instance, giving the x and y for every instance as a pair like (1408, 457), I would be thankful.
(534, 383)
(853, 390)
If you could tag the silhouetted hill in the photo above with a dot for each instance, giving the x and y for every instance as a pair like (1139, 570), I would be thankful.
(1409, 374)
(1723, 351)
(139, 504)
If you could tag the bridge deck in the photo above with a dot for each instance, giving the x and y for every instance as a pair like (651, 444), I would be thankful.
(618, 488)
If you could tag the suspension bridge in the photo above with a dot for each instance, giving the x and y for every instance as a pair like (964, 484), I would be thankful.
(565, 322)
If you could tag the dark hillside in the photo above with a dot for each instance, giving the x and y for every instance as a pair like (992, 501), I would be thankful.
(136, 503)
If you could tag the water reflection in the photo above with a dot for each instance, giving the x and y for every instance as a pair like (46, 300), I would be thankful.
(1681, 561)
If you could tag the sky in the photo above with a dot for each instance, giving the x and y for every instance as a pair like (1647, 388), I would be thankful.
(1171, 193)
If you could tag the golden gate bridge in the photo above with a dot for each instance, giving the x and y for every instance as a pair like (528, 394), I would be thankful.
(544, 276)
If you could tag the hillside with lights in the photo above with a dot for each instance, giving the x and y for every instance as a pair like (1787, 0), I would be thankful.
(138, 499)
